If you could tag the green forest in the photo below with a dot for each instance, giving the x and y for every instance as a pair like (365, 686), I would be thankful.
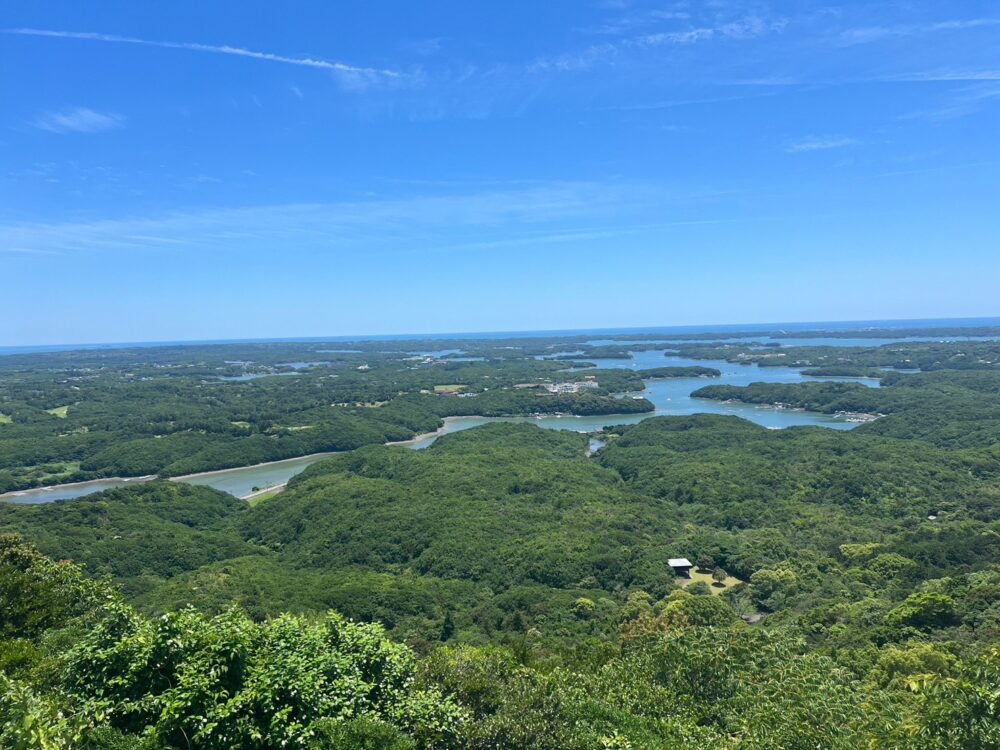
(85, 415)
(508, 586)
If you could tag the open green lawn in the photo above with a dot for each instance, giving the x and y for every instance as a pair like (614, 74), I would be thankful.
(4, 419)
(59, 472)
(45, 474)
(265, 495)
(707, 578)
(59, 411)
(448, 388)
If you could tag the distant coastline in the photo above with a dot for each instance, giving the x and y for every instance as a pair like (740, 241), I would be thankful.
(855, 325)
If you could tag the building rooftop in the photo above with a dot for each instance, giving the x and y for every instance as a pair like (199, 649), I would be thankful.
(680, 562)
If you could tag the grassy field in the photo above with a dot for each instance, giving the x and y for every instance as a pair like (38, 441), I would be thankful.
(707, 578)
(265, 495)
(59, 411)
(4, 419)
(46, 474)
(448, 388)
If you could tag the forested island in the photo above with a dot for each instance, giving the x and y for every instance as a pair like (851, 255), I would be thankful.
(657, 373)
(77, 416)
(508, 586)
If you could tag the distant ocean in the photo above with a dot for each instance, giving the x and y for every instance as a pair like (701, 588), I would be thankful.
(853, 325)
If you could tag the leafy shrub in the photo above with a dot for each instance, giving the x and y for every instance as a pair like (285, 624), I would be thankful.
(223, 682)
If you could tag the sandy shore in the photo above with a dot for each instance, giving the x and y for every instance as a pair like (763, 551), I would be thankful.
(15, 494)
(442, 430)
(185, 477)
(274, 488)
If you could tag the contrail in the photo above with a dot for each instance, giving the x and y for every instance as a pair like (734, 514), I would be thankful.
(307, 62)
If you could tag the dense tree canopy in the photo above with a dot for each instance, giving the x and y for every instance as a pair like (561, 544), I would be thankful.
(507, 587)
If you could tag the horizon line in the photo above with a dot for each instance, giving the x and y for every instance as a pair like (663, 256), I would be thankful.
(470, 335)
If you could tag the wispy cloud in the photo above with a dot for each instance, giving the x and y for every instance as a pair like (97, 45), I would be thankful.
(866, 34)
(950, 75)
(530, 213)
(329, 227)
(426, 46)
(745, 28)
(628, 23)
(819, 143)
(547, 238)
(750, 27)
(78, 120)
(25, 251)
(671, 103)
(574, 61)
(351, 76)
(965, 101)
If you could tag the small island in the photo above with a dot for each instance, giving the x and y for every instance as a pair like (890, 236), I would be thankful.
(663, 373)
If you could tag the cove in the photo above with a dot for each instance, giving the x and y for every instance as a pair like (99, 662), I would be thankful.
(671, 397)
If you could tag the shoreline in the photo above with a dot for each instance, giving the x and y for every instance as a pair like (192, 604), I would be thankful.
(15, 494)
(442, 430)
(273, 489)
(186, 477)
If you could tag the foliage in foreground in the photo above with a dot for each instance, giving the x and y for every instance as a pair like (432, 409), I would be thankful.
(528, 580)
(187, 680)
(687, 674)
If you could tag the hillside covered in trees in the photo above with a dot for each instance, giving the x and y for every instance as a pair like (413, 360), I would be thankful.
(508, 587)
(78, 416)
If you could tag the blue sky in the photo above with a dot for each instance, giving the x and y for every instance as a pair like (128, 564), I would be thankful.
(192, 170)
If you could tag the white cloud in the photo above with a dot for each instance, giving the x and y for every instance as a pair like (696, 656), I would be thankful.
(951, 75)
(819, 143)
(25, 251)
(866, 34)
(630, 22)
(79, 120)
(546, 212)
(395, 222)
(425, 47)
(350, 76)
(967, 100)
(746, 28)
(574, 61)
(750, 27)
